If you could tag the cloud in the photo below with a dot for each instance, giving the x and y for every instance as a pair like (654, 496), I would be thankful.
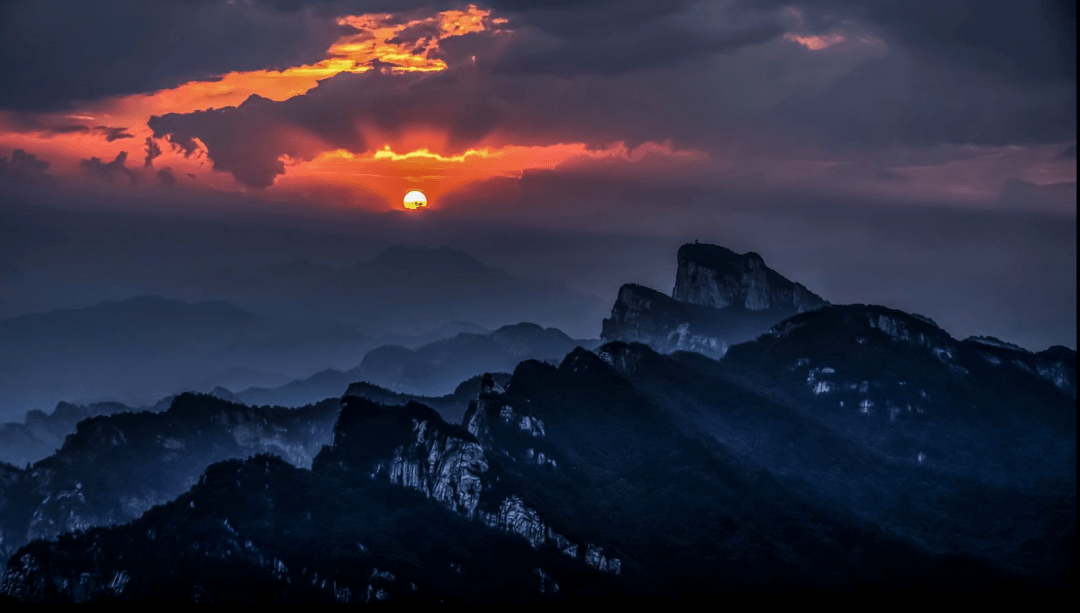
(90, 50)
(1052, 197)
(153, 151)
(22, 165)
(28, 123)
(112, 134)
(966, 71)
(165, 177)
(109, 171)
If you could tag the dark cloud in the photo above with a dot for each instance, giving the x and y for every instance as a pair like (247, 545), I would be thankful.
(852, 171)
(112, 134)
(1025, 195)
(66, 129)
(165, 177)
(55, 52)
(967, 71)
(1032, 40)
(109, 171)
(896, 100)
(248, 141)
(583, 19)
(22, 165)
(1069, 152)
(638, 48)
(153, 150)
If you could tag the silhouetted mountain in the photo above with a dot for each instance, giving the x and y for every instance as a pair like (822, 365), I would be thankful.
(847, 449)
(436, 369)
(720, 298)
(626, 473)
(410, 291)
(145, 348)
(431, 370)
(719, 278)
(884, 415)
(41, 434)
(115, 467)
(451, 407)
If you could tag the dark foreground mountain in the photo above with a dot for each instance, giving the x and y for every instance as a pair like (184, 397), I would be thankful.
(847, 450)
(115, 467)
(720, 298)
(631, 473)
(957, 446)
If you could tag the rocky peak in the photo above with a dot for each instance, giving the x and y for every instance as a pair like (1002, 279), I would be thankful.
(716, 277)
(860, 323)
(720, 298)
(1056, 364)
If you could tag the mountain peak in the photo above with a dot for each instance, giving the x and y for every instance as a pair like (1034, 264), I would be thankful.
(442, 258)
(859, 321)
(717, 277)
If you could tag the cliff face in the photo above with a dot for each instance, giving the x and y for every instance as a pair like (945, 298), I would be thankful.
(116, 467)
(839, 450)
(715, 277)
(720, 298)
(413, 447)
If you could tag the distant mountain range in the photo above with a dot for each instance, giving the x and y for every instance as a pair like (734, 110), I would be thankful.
(845, 450)
(141, 349)
(296, 318)
(433, 369)
(409, 291)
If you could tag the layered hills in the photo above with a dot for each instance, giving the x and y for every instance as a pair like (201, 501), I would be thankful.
(846, 449)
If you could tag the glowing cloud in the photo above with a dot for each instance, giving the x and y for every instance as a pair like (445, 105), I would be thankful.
(816, 43)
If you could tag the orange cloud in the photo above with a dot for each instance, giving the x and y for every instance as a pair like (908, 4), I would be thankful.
(814, 42)
(409, 159)
(387, 175)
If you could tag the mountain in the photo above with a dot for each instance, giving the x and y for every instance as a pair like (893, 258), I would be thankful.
(409, 291)
(845, 450)
(626, 473)
(961, 447)
(41, 434)
(431, 370)
(452, 407)
(530, 500)
(715, 277)
(720, 298)
(115, 467)
(137, 350)
(437, 368)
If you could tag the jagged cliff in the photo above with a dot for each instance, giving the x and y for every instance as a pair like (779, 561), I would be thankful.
(413, 447)
(794, 463)
(716, 277)
(720, 298)
(116, 467)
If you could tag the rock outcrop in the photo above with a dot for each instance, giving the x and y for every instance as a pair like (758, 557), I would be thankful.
(716, 277)
(720, 298)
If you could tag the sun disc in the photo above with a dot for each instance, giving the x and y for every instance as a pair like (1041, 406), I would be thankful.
(415, 200)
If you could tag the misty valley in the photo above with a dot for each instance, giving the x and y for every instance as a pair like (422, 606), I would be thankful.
(378, 431)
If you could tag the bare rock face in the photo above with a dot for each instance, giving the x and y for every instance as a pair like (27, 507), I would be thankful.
(715, 277)
(412, 446)
(720, 298)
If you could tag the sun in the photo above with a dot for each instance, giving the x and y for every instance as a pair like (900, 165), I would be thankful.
(415, 200)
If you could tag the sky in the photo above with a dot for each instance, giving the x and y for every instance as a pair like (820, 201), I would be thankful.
(914, 153)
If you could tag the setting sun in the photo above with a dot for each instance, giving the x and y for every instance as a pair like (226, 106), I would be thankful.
(415, 200)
